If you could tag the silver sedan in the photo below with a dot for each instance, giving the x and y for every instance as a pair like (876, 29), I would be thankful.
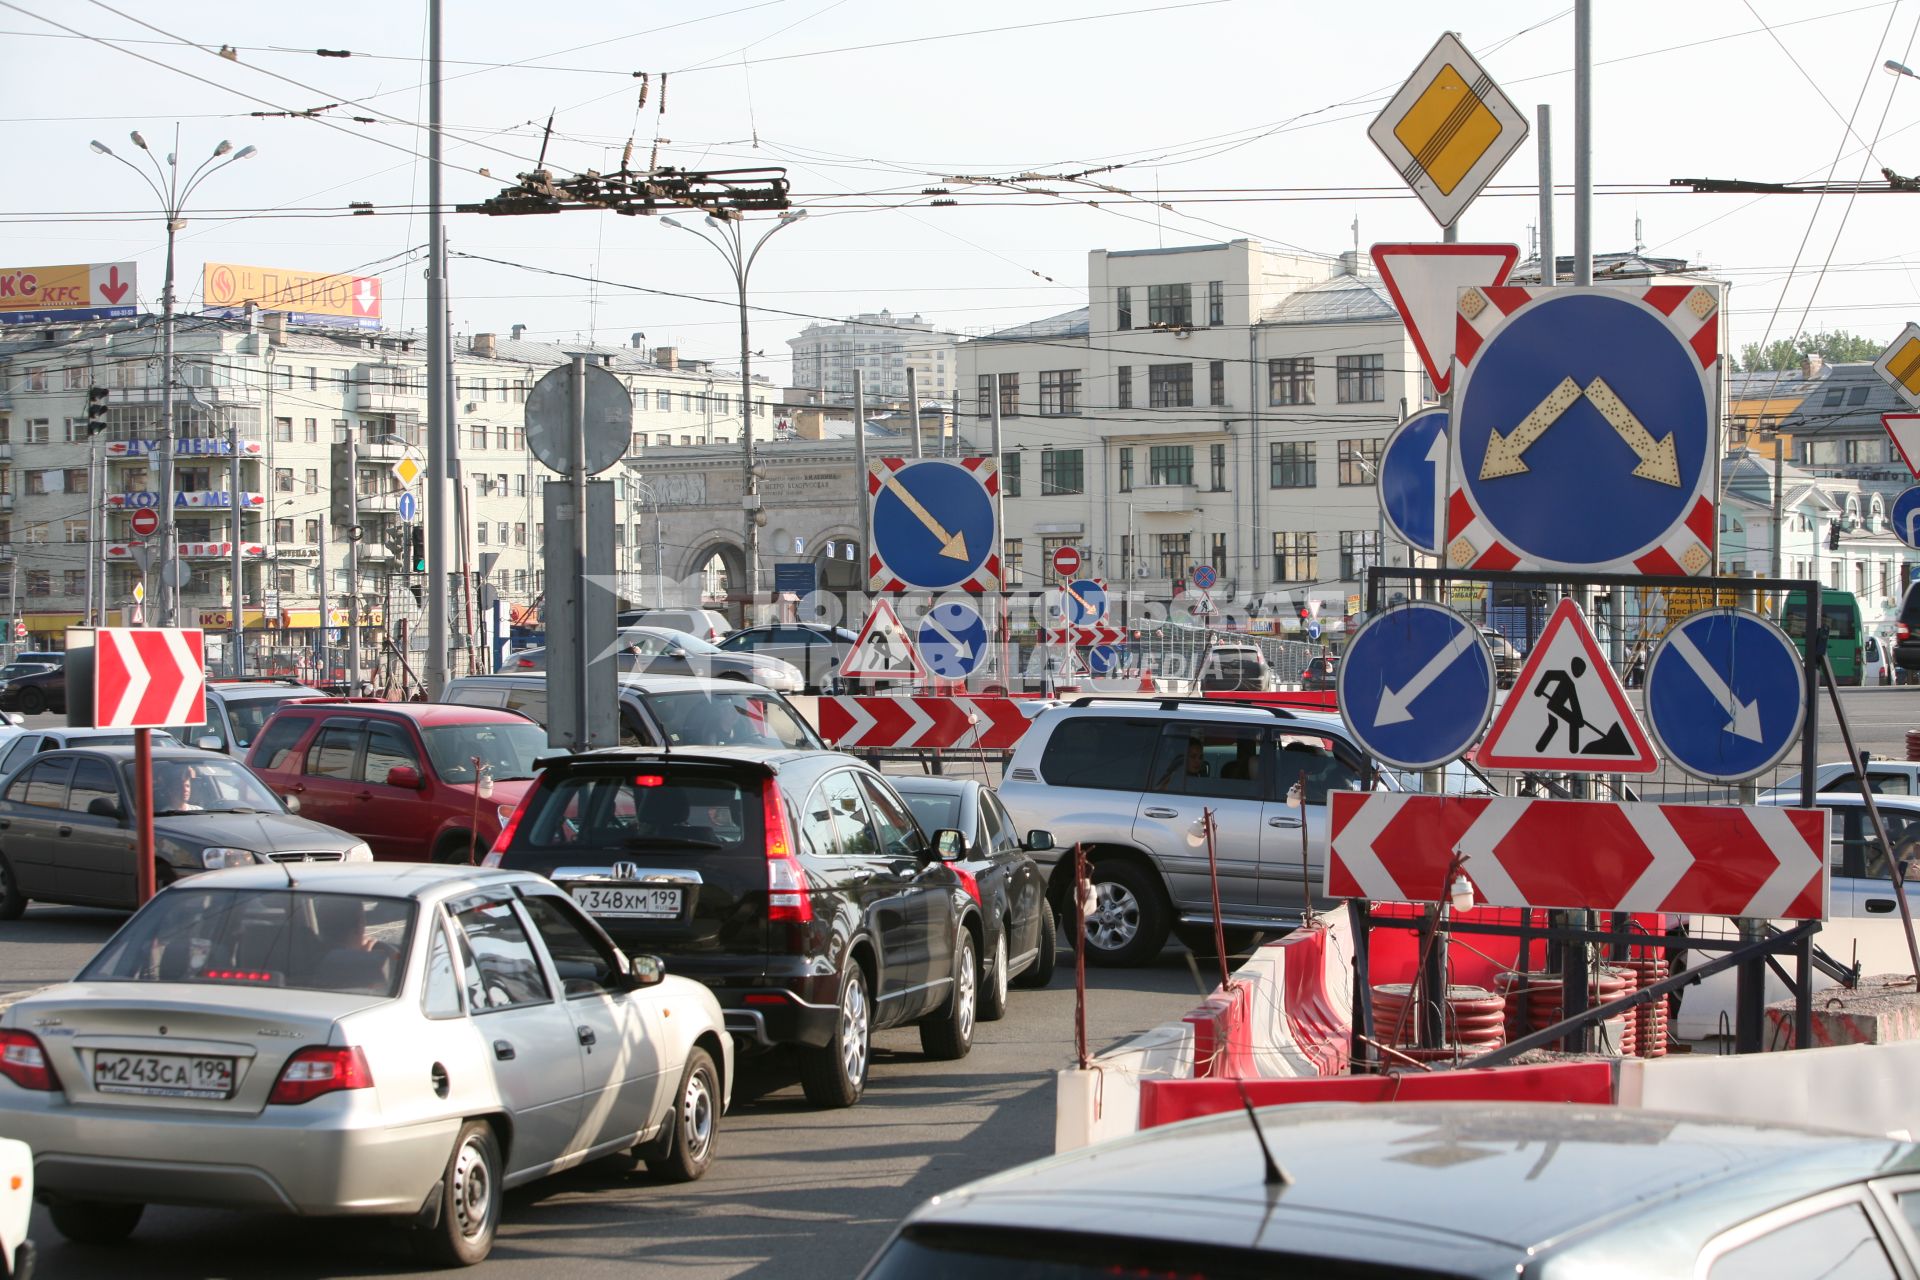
(385, 1039)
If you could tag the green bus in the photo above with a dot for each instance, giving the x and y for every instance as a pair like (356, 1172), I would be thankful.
(1840, 614)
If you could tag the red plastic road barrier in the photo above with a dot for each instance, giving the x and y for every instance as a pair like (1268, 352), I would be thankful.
(1715, 860)
(945, 723)
(1321, 1028)
(1167, 1101)
(1221, 1041)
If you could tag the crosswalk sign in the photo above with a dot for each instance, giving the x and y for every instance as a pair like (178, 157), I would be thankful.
(884, 650)
(1566, 710)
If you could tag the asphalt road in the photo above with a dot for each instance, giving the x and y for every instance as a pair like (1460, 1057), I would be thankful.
(795, 1194)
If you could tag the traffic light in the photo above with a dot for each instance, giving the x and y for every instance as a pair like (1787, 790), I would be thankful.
(96, 410)
(417, 549)
(1833, 536)
(340, 484)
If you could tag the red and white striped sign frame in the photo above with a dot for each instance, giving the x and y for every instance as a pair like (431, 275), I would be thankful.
(985, 724)
(1692, 310)
(149, 677)
(1718, 860)
(880, 577)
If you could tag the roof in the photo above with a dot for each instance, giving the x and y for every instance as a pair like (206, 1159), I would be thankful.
(418, 712)
(1469, 1188)
(1633, 265)
(1341, 300)
(771, 758)
(927, 785)
(1068, 324)
(374, 879)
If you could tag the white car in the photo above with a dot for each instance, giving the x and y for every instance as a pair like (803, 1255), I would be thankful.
(1886, 777)
(16, 1207)
(381, 1040)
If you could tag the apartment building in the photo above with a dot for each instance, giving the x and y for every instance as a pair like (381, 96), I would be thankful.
(881, 347)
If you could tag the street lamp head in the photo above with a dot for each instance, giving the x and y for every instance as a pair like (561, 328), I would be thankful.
(671, 223)
(222, 149)
(246, 151)
(1898, 68)
(138, 141)
(793, 215)
(715, 223)
(101, 147)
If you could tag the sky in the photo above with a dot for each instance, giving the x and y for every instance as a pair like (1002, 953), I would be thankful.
(1220, 119)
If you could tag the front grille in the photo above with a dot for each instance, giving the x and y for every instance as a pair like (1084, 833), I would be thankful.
(330, 856)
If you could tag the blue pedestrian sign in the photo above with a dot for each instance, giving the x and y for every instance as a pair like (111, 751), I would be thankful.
(952, 640)
(935, 527)
(1084, 602)
(1204, 576)
(409, 506)
(1726, 695)
(1584, 429)
(1906, 516)
(1413, 476)
(1416, 685)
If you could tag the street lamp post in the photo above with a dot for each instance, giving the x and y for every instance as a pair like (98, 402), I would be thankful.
(652, 499)
(730, 240)
(172, 195)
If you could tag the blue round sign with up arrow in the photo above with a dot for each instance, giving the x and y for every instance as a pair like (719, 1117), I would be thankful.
(1905, 514)
(1726, 695)
(1413, 477)
(952, 639)
(933, 524)
(1416, 685)
(1585, 429)
(409, 506)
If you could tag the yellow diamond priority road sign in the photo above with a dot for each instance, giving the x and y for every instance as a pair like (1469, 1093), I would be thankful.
(1899, 364)
(1448, 130)
(409, 468)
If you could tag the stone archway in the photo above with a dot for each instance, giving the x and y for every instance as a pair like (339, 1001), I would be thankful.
(715, 575)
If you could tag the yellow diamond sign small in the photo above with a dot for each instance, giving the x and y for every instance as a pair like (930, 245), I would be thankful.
(408, 469)
(1448, 130)
(1899, 364)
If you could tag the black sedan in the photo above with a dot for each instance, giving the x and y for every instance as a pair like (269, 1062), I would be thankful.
(815, 648)
(1020, 938)
(67, 831)
(31, 692)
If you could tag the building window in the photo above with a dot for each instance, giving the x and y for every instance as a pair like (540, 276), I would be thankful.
(477, 437)
(313, 480)
(1295, 556)
(283, 479)
(75, 480)
(983, 399)
(38, 431)
(1010, 565)
(73, 582)
(1359, 551)
(1059, 392)
(1362, 379)
(1169, 386)
(1170, 306)
(1062, 471)
(1218, 558)
(1170, 464)
(1217, 382)
(1123, 387)
(1291, 465)
(1290, 380)
(520, 484)
(283, 430)
(1126, 470)
(480, 533)
(39, 582)
(1176, 553)
(1009, 395)
(1360, 461)
(1010, 474)
(313, 532)
(311, 430)
(519, 534)
(1217, 468)
(1050, 545)
(1123, 306)
(283, 530)
(75, 530)
(1216, 302)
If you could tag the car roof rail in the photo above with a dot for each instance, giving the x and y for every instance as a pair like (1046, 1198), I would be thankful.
(1177, 702)
(292, 680)
(331, 698)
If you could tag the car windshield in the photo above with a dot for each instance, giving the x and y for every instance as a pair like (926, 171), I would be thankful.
(13, 669)
(654, 807)
(697, 718)
(934, 812)
(206, 785)
(1457, 778)
(262, 937)
(248, 714)
(506, 749)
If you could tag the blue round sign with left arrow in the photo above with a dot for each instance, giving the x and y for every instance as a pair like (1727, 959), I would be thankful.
(952, 640)
(1726, 695)
(1416, 685)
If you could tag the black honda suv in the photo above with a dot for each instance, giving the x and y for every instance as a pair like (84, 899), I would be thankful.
(794, 884)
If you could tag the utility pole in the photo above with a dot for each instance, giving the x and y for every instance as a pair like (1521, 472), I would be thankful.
(238, 597)
(913, 415)
(323, 656)
(440, 429)
(1549, 261)
(353, 565)
(1582, 143)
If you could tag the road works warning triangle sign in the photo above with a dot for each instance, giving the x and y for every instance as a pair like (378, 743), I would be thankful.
(884, 650)
(1566, 709)
(1425, 281)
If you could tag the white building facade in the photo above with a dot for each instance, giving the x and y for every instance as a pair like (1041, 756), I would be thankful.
(881, 347)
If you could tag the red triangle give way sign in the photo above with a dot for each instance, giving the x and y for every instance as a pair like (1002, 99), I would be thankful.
(1425, 281)
(1566, 709)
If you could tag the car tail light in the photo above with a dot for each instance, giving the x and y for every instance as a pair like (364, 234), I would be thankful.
(23, 1060)
(512, 824)
(787, 895)
(648, 780)
(1901, 632)
(321, 1070)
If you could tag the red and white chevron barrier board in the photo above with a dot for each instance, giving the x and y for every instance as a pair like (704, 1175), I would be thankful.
(1720, 860)
(945, 723)
(148, 677)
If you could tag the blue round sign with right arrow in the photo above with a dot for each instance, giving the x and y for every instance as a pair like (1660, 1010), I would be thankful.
(952, 640)
(934, 525)
(1416, 685)
(1726, 695)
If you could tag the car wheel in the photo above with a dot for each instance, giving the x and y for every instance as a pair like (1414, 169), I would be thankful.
(32, 702)
(469, 1201)
(948, 1034)
(1040, 972)
(835, 1074)
(993, 983)
(1128, 925)
(12, 901)
(457, 849)
(696, 1123)
(95, 1221)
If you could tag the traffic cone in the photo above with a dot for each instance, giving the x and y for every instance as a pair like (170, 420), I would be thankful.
(1146, 681)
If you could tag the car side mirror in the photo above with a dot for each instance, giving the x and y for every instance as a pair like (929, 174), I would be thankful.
(104, 807)
(645, 970)
(208, 742)
(1038, 840)
(950, 844)
(292, 803)
(404, 775)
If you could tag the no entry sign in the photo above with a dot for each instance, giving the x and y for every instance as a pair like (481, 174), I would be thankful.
(146, 522)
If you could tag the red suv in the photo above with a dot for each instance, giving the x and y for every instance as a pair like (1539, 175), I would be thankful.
(419, 782)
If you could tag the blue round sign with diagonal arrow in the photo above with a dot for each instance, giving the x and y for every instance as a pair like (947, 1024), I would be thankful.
(1726, 694)
(1413, 478)
(1084, 601)
(952, 639)
(1416, 685)
(934, 525)
(1905, 514)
